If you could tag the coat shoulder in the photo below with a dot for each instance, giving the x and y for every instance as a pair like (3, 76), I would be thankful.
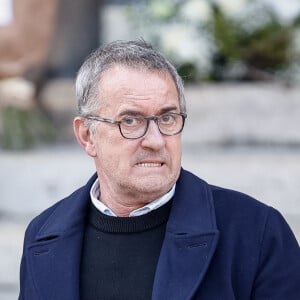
(238, 212)
(62, 212)
(236, 201)
(38, 222)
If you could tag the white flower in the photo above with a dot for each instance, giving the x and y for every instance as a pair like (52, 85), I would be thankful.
(114, 16)
(185, 44)
(255, 15)
(291, 73)
(232, 8)
(286, 10)
(197, 11)
(296, 43)
(17, 92)
(161, 9)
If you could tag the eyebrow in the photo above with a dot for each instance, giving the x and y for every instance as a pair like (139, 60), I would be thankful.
(133, 112)
(168, 109)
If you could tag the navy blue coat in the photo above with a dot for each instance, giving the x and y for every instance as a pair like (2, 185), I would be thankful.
(219, 244)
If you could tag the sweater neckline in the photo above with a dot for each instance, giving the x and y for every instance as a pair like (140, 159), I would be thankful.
(111, 224)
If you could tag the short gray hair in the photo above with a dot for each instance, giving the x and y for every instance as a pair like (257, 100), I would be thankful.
(135, 54)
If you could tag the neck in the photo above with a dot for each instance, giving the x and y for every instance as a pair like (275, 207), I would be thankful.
(122, 208)
(123, 200)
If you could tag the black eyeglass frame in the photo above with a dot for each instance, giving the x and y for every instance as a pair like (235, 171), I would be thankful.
(148, 119)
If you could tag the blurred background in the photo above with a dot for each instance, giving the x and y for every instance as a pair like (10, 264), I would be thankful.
(240, 61)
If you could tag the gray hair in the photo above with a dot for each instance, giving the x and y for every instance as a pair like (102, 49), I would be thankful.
(135, 54)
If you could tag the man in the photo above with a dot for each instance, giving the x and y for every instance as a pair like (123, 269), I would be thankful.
(142, 227)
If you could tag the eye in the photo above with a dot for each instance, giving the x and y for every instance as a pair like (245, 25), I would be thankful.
(167, 119)
(131, 121)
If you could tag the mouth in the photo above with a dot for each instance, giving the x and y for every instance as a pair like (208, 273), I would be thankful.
(150, 164)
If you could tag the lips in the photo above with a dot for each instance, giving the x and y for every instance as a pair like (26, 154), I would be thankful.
(149, 164)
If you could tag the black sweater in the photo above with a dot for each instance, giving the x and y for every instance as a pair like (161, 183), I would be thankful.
(120, 254)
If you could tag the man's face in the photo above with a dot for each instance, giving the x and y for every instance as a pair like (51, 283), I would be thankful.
(147, 167)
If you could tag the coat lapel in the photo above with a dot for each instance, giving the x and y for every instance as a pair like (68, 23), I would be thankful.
(54, 256)
(190, 241)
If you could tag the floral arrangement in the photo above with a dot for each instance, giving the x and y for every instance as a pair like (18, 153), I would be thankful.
(221, 39)
(22, 123)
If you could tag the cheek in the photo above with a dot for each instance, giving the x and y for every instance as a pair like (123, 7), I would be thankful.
(174, 149)
(175, 146)
(115, 152)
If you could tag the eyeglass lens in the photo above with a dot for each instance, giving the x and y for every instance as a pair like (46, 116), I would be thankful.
(135, 127)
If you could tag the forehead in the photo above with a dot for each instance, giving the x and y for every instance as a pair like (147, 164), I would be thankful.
(123, 87)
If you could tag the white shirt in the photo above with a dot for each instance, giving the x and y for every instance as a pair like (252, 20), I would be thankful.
(95, 196)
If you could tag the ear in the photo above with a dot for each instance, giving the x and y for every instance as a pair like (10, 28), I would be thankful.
(84, 136)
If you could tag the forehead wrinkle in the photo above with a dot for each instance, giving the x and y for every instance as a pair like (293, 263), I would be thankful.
(137, 112)
(142, 91)
(115, 85)
(131, 97)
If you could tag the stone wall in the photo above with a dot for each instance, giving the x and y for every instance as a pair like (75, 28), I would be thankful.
(219, 115)
(251, 115)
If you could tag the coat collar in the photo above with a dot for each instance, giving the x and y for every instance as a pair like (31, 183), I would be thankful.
(69, 212)
(190, 241)
(54, 255)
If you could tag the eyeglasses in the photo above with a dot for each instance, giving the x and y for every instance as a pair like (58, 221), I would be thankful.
(134, 127)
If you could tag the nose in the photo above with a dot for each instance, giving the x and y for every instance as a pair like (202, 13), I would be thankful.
(153, 138)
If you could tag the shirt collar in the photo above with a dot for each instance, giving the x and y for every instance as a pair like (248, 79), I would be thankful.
(95, 196)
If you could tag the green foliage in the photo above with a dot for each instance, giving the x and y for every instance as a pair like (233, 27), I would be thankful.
(226, 36)
(22, 129)
(188, 72)
(265, 49)
(251, 36)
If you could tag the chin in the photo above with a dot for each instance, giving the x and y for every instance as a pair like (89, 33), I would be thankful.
(154, 187)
